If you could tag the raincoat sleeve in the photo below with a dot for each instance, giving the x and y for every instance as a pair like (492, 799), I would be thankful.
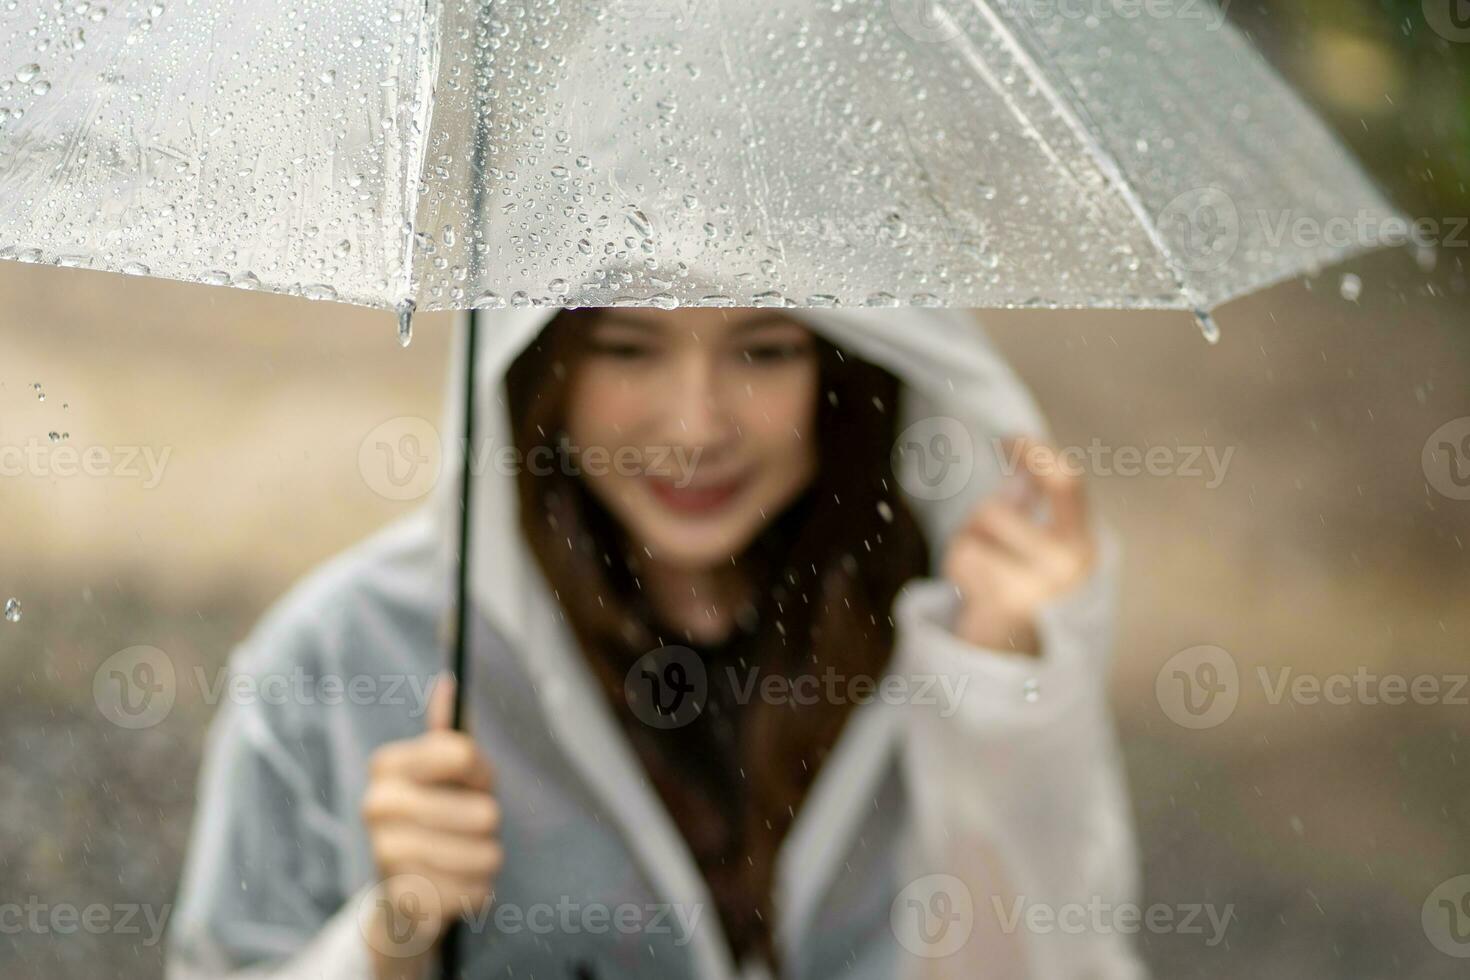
(262, 895)
(1018, 788)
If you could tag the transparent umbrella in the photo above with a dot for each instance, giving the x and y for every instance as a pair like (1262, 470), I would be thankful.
(437, 155)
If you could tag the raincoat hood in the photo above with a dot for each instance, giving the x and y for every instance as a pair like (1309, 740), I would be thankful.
(955, 387)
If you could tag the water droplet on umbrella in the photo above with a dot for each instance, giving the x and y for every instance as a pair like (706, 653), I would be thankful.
(318, 290)
(40, 395)
(12, 610)
(41, 87)
(639, 221)
(1351, 287)
(405, 323)
(58, 436)
(1207, 326)
(1031, 690)
(135, 269)
(27, 73)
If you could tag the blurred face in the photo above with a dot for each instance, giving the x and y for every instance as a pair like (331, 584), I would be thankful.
(717, 408)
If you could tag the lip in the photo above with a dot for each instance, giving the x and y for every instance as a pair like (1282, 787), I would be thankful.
(696, 500)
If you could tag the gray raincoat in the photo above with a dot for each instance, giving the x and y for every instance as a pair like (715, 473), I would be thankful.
(967, 810)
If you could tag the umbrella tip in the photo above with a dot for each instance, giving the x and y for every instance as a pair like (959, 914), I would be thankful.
(405, 323)
(1207, 325)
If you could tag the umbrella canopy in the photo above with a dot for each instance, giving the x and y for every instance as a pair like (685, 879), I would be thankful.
(402, 153)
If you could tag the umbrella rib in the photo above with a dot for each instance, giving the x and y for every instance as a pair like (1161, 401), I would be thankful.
(420, 118)
(1100, 155)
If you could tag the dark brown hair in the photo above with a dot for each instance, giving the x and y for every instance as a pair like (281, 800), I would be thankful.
(834, 561)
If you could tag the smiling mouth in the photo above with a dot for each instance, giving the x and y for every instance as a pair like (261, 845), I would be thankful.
(705, 499)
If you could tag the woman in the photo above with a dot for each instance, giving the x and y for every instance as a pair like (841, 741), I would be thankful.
(723, 720)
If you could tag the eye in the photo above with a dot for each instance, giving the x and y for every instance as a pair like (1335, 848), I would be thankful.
(623, 350)
(776, 352)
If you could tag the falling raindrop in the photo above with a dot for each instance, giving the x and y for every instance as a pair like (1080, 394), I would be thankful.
(885, 511)
(405, 323)
(1031, 690)
(12, 610)
(1351, 287)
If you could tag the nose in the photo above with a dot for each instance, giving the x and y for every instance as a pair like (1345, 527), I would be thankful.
(700, 415)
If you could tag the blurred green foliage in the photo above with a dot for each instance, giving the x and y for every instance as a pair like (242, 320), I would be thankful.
(1392, 76)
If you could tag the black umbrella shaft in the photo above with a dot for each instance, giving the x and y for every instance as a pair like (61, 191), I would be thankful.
(450, 953)
(462, 571)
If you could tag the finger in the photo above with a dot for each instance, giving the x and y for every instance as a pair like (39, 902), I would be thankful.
(441, 703)
(457, 811)
(1005, 526)
(405, 849)
(435, 757)
(1063, 490)
(1017, 486)
(977, 566)
(1028, 543)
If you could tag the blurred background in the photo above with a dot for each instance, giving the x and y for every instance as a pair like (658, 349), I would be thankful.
(1329, 546)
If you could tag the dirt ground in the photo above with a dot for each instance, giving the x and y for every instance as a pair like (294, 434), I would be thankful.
(1323, 548)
